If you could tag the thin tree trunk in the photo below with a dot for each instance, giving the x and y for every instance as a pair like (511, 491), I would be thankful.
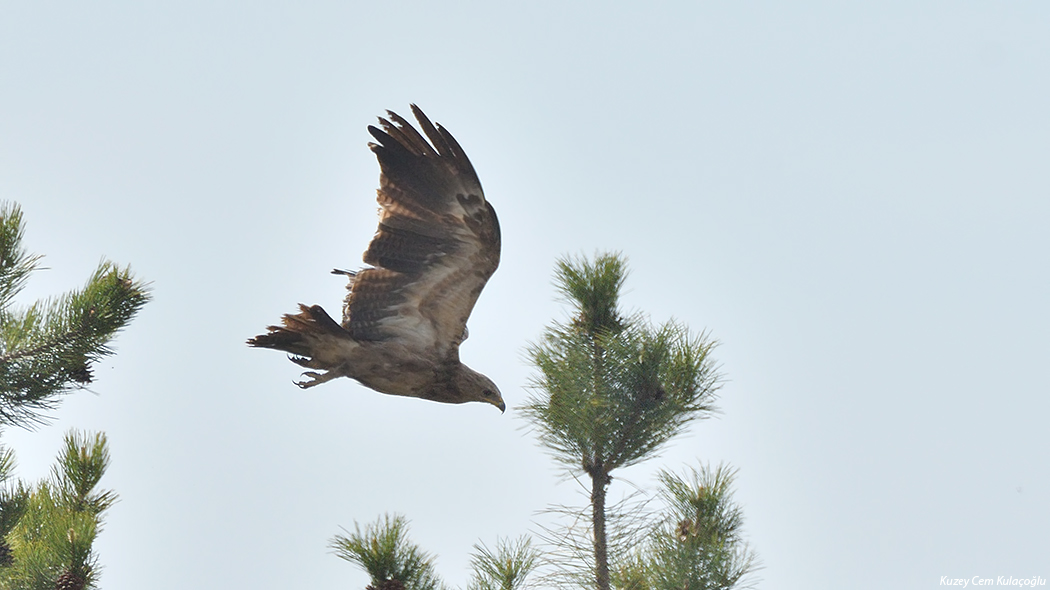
(599, 478)
(599, 481)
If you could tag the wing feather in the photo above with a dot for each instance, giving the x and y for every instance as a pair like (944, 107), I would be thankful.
(406, 134)
(437, 244)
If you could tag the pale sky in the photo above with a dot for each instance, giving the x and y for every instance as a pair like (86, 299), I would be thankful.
(854, 200)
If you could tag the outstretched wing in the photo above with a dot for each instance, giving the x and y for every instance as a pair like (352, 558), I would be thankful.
(437, 245)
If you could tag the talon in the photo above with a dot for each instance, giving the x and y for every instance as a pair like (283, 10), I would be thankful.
(316, 379)
(302, 361)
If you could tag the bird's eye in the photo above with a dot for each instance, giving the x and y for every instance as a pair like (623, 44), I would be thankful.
(487, 393)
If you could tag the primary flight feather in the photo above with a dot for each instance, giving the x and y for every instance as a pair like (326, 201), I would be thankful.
(404, 318)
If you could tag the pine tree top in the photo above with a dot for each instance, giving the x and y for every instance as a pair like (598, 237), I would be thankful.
(612, 388)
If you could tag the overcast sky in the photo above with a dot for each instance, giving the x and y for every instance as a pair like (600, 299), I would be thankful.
(853, 200)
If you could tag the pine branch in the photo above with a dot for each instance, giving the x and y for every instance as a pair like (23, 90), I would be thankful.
(49, 541)
(594, 290)
(698, 544)
(47, 350)
(51, 528)
(383, 550)
(568, 540)
(79, 469)
(15, 263)
(666, 381)
(654, 383)
(505, 568)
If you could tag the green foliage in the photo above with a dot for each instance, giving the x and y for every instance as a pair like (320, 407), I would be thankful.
(14, 500)
(7, 464)
(47, 348)
(49, 530)
(698, 544)
(612, 390)
(619, 408)
(80, 466)
(505, 568)
(384, 551)
(49, 540)
(15, 263)
(594, 290)
(632, 573)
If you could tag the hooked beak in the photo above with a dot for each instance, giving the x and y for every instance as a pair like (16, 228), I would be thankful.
(502, 407)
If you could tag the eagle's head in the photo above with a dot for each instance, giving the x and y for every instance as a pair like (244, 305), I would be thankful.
(475, 387)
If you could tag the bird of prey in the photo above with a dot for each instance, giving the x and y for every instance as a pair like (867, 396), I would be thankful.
(404, 318)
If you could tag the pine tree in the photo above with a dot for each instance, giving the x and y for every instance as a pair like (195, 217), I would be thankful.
(47, 349)
(385, 552)
(613, 389)
(393, 562)
(49, 530)
(697, 545)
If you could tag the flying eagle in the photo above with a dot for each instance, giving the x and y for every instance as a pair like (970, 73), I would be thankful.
(404, 318)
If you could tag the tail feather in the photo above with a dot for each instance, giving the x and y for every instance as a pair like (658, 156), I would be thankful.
(292, 335)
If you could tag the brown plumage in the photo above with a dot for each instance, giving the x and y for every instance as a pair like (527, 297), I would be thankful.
(404, 318)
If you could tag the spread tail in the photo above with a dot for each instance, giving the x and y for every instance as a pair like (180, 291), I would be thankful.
(292, 335)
